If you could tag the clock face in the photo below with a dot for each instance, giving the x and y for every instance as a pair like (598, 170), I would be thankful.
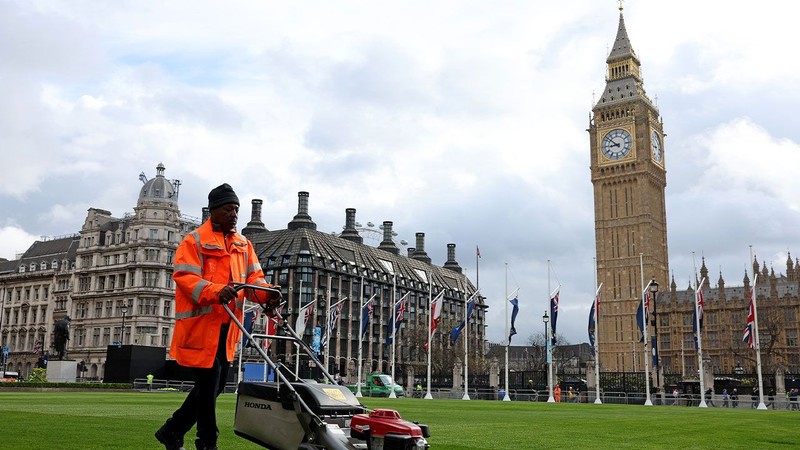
(658, 150)
(616, 144)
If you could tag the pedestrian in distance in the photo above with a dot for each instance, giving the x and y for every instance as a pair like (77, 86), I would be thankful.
(735, 398)
(754, 398)
(207, 261)
(725, 399)
(557, 393)
(677, 397)
(710, 397)
(149, 381)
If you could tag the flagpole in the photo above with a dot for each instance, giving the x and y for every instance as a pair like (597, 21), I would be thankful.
(428, 395)
(506, 398)
(597, 400)
(394, 329)
(549, 356)
(360, 336)
(327, 327)
(466, 348)
(698, 337)
(647, 402)
(297, 346)
(761, 404)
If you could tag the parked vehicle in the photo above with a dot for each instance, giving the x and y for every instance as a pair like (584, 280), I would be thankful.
(378, 385)
(10, 377)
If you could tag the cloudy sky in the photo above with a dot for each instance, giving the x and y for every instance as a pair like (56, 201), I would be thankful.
(465, 120)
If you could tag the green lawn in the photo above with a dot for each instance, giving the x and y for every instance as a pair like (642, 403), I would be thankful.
(113, 420)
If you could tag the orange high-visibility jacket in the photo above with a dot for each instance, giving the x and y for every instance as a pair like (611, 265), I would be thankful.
(205, 262)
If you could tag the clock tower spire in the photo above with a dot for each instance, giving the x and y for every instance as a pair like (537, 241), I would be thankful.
(626, 140)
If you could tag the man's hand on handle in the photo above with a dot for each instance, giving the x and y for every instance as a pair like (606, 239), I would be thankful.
(227, 294)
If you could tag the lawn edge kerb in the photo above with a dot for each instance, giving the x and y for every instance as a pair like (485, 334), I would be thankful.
(66, 387)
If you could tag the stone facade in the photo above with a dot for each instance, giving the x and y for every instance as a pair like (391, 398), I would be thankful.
(725, 314)
(627, 163)
(89, 277)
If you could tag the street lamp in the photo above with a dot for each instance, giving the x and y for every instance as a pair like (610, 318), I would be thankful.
(653, 294)
(548, 358)
(124, 312)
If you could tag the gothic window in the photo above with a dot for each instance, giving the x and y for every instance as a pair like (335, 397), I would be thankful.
(791, 338)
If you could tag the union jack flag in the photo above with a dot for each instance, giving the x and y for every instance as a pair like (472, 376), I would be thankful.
(749, 329)
(394, 322)
(366, 314)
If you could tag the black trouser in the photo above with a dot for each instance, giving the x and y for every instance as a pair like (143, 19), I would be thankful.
(200, 405)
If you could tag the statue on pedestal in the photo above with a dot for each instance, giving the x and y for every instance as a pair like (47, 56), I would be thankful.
(61, 337)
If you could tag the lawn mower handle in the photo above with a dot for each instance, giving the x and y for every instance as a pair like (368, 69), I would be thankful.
(298, 402)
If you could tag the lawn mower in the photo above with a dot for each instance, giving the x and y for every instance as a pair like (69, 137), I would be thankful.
(310, 415)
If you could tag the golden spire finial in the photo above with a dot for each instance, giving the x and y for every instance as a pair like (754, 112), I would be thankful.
(621, 7)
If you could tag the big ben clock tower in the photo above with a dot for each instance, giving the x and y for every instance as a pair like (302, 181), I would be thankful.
(627, 161)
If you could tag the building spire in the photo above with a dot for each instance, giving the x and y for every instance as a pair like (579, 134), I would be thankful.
(622, 44)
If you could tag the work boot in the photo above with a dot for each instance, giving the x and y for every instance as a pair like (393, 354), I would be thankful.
(170, 440)
(205, 445)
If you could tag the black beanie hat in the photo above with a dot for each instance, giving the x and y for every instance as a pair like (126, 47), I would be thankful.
(221, 195)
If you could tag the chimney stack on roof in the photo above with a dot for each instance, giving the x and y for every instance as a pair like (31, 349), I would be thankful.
(451, 262)
(255, 225)
(420, 254)
(302, 219)
(350, 233)
(387, 244)
(205, 214)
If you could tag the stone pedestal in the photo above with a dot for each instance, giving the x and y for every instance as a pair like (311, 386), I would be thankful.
(494, 373)
(62, 371)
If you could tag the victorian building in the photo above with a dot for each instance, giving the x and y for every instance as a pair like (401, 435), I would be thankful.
(113, 280)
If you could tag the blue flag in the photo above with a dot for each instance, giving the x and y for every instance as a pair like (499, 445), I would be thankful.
(366, 313)
(641, 313)
(554, 315)
(249, 320)
(456, 332)
(655, 351)
(592, 326)
(514, 312)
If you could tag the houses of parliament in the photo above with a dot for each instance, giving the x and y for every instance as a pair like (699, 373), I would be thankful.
(628, 165)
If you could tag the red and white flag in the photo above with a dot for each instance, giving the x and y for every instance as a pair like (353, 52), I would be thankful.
(303, 317)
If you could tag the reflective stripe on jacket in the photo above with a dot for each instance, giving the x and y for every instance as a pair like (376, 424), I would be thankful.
(205, 262)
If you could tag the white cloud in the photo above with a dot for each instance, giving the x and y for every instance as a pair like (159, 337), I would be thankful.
(466, 121)
(14, 241)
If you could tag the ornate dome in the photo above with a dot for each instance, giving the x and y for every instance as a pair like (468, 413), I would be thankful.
(158, 188)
